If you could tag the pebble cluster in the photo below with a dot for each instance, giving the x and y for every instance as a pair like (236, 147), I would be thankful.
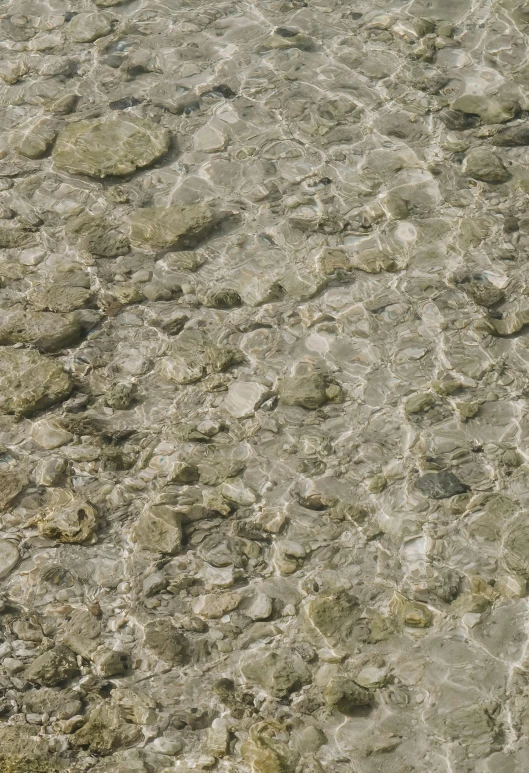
(264, 386)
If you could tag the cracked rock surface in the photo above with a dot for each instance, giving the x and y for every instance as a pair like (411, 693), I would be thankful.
(264, 351)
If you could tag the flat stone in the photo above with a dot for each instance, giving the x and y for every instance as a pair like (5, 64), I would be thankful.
(309, 390)
(243, 398)
(9, 557)
(440, 485)
(35, 140)
(112, 145)
(45, 330)
(512, 136)
(105, 731)
(11, 238)
(159, 228)
(30, 382)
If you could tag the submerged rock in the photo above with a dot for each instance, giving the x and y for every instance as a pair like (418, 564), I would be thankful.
(160, 228)
(310, 390)
(159, 529)
(484, 165)
(345, 695)
(105, 731)
(279, 673)
(489, 109)
(30, 382)
(97, 235)
(12, 482)
(440, 485)
(9, 557)
(111, 145)
(46, 330)
(71, 522)
(23, 750)
(512, 136)
(53, 667)
(163, 639)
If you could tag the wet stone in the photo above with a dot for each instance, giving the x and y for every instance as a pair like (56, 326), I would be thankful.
(72, 522)
(165, 641)
(279, 673)
(159, 529)
(47, 331)
(53, 667)
(9, 557)
(12, 482)
(346, 696)
(111, 145)
(486, 166)
(440, 485)
(310, 391)
(30, 382)
(159, 228)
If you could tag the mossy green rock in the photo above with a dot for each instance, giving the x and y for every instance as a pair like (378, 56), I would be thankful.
(113, 145)
(30, 382)
(23, 752)
(105, 731)
(159, 228)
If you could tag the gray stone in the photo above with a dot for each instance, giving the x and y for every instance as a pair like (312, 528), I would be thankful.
(97, 235)
(58, 298)
(311, 390)
(112, 145)
(484, 165)
(30, 382)
(440, 485)
(11, 238)
(512, 136)
(105, 731)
